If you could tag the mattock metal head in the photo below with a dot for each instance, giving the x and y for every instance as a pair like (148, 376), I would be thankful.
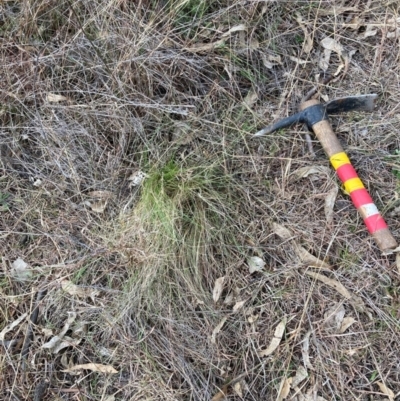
(312, 111)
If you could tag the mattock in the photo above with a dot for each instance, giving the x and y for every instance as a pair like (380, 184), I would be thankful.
(315, 115)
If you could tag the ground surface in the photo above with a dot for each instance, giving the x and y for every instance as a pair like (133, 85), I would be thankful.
(134, 200)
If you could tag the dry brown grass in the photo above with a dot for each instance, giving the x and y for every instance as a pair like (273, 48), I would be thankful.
(139, 95)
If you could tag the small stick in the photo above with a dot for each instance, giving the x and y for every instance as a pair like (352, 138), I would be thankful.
(310, 145)
(33, 320)
(314, 90)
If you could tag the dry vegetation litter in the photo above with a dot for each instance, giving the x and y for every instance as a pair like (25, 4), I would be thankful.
(150, 248)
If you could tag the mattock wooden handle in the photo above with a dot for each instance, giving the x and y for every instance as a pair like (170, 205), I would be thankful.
(352, 183)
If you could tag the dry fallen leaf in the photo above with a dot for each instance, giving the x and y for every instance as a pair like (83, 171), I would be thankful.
(275, 58)
(253, 44)
(370, 30)
(354, 299)
(54, 98)
(398, 261)
(347, 322)
(255, 263)
(237, 387)
(336, 10)
(330, 45)
(73, 289)
(308, 43)
(218, 288)
(217, 329)
(250, 98)
(95, 367)
(10, 326)
(20, 270)
(310, 259)
(66, 342)
(270, 61)
(238, 305)
(221, 394)
(309, 170)
(236, 28)
(305, 351)
(201, 47)
(299, 60)
(324, 60)
(276, 340)
(305, 256)
(339, 287)
(284, 389)
(301, 374)
(137, 178)
(52, 342)
(394, 21)
(330, 203)
(105, 351)
(56, 340)
(393, 34)
(229, 299)
(66, 361)
(281, 231)
(47, 332)
(354, 23)
(80, 329)
(386, 390)
(252, 318)
(100, 194)
(99, 206)
(334, 317)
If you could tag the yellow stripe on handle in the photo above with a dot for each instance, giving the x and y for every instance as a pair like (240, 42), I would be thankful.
(353, 184)
(339, 159)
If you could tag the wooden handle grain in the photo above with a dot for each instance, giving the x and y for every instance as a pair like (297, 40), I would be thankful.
(353, 185)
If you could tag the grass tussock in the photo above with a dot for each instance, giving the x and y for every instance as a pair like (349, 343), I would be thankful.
(97, 268)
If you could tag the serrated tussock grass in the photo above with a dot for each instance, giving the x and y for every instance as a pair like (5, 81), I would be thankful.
(181, 214)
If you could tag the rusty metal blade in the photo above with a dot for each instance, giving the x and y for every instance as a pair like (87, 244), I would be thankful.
(352, 103)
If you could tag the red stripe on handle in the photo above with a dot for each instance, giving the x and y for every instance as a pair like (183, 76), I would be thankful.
(346, 172)
(375, 223)
(361, 197)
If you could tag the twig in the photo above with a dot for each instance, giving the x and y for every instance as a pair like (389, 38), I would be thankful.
(310, 145)
(33, 320)
(233, 381)
(314, 90)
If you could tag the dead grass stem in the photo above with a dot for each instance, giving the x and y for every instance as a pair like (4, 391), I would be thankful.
(130, 184)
